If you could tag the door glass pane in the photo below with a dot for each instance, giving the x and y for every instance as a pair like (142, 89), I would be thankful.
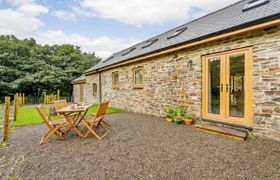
(236, 87)
(214, 85)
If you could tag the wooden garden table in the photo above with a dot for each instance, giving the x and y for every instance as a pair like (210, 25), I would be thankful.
(74, 115)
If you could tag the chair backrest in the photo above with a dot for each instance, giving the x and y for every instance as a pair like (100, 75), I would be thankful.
(59, 104)
(43, 114)
(101, 110)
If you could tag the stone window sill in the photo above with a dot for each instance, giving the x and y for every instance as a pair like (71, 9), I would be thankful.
(116, 87)
(138, 86)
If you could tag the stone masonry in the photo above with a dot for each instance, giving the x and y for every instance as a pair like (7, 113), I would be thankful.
(169, 82)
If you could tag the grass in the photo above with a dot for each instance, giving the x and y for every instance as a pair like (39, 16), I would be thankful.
(29, 115)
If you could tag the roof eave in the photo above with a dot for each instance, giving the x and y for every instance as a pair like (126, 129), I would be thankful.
(79, 82)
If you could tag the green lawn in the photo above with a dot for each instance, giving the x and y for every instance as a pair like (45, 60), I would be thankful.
(28, 116)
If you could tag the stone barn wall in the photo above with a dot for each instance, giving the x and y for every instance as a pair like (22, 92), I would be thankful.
(169, 82)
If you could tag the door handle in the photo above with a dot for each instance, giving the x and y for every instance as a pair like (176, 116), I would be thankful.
(222, 87)
(227, 87)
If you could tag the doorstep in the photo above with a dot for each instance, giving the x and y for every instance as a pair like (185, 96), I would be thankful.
(231, 132)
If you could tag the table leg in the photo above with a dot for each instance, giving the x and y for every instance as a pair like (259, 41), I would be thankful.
(71, 120)
(78, 122)
(74, 121)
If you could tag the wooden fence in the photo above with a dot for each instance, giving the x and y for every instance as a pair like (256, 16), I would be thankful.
(49, 99)
(6, 118)
(19, 101)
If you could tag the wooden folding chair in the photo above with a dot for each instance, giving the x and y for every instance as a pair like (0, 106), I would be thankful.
(54, 126)
(104, 121)
(93, 123)
(59, 104)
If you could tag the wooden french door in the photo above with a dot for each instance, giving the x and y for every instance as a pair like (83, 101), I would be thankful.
(82, 92)
(227, 87)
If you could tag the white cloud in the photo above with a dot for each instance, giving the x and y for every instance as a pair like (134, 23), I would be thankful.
(17, 23)
(140, 12)
(29, 7)
(65, 15)
(21, 18)
(32, 9)
(103, 46)
(80, 11)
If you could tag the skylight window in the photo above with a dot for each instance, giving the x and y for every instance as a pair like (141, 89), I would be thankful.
(177, 32)
(108, 59)
(129, 51)
(150, 42)
(254, 3)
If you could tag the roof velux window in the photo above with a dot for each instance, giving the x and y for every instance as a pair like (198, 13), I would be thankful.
(129, 51)
(178, 32)
(254, 3)
(150, 42)
(108, 59)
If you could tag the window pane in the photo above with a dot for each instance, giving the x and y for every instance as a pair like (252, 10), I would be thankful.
(116, 79)
(94, 89)
(138, 76)
(214, 85)
(236, 96)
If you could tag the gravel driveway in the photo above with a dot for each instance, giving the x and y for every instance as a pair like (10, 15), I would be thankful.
(141, 147)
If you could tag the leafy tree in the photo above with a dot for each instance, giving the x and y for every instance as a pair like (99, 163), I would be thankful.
(28, 67)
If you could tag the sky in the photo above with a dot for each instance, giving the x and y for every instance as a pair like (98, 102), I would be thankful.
(100, 26)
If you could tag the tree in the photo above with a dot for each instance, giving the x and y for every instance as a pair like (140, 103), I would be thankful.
(28, 67)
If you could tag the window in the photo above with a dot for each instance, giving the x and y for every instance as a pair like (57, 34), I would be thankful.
(108, 59)
(177, 32)
(138, 77)
(115, 80)
(255, 3)
(129, 51)
(94, 89)
(150, 42)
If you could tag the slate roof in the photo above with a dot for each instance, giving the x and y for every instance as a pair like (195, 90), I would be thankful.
(221, 21)
(81, 78)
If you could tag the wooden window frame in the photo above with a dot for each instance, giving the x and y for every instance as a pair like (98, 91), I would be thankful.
(138, 86)
(115, 86)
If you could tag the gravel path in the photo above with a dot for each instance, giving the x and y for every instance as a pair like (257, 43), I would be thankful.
(142, 147)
